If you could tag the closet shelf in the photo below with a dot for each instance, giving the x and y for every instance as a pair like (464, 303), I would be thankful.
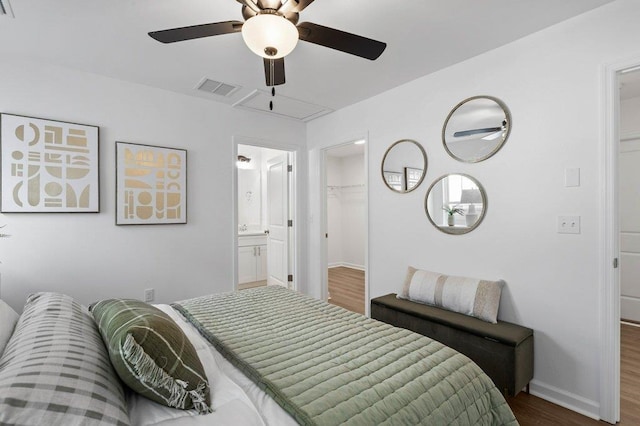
(361, 185)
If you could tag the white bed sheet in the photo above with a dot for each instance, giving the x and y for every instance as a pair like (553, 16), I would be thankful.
(234, 397)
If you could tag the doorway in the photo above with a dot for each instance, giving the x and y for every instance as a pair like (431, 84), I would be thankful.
(614, 242)
(629, 238)
(629, 195)
(345, 212)
(264, 217)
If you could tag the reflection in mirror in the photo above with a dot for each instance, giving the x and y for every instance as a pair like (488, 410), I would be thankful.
(404, 165)
(476, 129)
(456, 204)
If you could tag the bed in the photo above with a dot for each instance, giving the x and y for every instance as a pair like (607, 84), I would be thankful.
(269, 356)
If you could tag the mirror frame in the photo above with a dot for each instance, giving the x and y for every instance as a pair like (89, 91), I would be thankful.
(453, 230)
(508, 117)
(424, 157)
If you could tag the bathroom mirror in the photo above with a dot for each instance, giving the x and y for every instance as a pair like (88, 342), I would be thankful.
(476, 129)
(456, 204)
(249, 201)
(404, 166)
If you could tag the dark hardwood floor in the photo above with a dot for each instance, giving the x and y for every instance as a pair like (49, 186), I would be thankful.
(346, 287)
(531, 410)
(629, 375)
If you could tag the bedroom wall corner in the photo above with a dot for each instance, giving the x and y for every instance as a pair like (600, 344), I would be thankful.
(86, 255)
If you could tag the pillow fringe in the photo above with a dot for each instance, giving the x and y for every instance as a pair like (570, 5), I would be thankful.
(199, 399)
(147, 371)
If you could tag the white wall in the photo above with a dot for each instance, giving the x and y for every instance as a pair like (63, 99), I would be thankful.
(551, 83)
(86, 255)
(346, 211)
(629, 199)
(334, 211)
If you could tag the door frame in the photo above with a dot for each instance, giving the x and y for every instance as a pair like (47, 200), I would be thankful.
(295, 263)
(609, 238)
(324, 251)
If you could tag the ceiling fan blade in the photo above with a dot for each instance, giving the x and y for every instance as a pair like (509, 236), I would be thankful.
(476, 131)
(493, 136)
(294, 6)
(340, 40)
(196, 31)
(274, 71)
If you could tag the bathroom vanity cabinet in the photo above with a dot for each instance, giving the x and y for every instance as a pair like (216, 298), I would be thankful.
(252, 258)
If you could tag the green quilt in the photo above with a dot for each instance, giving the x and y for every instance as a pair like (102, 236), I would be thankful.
(326, 366)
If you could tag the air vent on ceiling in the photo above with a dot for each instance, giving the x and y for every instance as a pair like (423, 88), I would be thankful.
(216, 87)
(5, 9)
(283, 106)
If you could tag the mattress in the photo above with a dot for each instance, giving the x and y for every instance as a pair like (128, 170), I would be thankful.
(271, 357)
(325, 365)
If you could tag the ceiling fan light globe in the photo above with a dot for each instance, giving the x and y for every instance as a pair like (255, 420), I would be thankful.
(270, 36)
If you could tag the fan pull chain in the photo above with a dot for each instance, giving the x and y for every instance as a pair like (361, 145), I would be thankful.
(273, 88)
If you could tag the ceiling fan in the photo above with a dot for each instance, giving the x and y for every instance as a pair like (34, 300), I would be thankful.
(271, 30)
(495, 132)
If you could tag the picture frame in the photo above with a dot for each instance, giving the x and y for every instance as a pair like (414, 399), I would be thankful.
(48, 166)
(151, 185)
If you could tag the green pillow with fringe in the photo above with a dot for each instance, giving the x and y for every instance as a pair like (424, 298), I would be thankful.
(152, 355)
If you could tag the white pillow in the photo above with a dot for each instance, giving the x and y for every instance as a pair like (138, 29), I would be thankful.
(469, 296)
(8, 320)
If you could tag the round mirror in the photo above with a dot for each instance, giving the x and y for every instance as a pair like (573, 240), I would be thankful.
(456, 204)
(476, 129)
(404, 166)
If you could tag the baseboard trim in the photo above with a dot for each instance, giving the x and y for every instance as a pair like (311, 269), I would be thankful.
(565, 399)
(346, 265)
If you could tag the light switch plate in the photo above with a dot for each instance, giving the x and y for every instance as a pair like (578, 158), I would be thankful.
(571, 177)
(568, 224)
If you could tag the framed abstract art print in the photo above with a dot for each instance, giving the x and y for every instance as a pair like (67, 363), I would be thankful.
(48, 166)
(151, 185)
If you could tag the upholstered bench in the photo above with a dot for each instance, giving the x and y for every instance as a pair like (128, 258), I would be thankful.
(503, 350)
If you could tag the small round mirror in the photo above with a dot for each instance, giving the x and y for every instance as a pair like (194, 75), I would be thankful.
(456, 204)
(476, 129)
(404, 166)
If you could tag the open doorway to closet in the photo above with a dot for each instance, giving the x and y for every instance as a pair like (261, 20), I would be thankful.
(265, 208)
(346, 225)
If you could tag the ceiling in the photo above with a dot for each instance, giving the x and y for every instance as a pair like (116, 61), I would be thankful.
(110, 38)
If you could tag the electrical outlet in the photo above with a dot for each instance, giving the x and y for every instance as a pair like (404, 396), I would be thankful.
(148, 294)
(568, 224)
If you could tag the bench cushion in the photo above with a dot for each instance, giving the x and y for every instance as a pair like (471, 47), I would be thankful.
(504, 332)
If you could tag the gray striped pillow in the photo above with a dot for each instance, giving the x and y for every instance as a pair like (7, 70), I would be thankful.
(152, 355)
(469, 296)
(8, 320)
(55, 369)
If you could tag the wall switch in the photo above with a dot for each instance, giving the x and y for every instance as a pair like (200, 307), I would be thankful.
(568, 224)
(148, 294)
(571, 177)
